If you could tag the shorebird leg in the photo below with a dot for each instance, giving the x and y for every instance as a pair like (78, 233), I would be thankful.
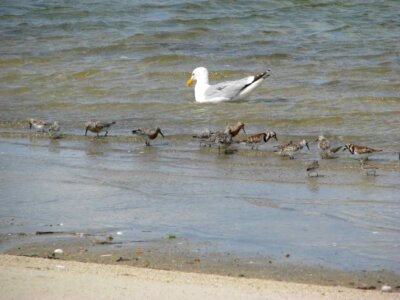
(147, 143)
(106, 133)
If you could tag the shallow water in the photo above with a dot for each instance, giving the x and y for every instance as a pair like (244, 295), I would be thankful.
(335, 70)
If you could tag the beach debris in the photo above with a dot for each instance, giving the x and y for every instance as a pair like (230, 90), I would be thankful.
(105, 255)
(119, 232)
(386, 288)
(171, 236)
(366, 288)
(122, 259)
(287, 255)
(45, 232)
(139, 251)
(58, 251)
(60, 267)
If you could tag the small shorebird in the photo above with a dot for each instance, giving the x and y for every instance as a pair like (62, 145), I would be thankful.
(325, 148)
(312, 169)
(224, 91)
(97, 126)
(39, 125)
(234, 130)
(290, 149)
(54, 130)
(363, 152)
(204, 134)
(256, 139)
(220, 139)
(370, 169)
(148, 133)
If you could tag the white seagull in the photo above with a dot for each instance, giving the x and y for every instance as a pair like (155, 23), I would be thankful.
(224, 91)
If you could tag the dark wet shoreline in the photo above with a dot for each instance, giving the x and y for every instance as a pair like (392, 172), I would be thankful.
(179, 254)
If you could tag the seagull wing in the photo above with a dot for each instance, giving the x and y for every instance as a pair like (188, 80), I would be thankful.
(227, 90)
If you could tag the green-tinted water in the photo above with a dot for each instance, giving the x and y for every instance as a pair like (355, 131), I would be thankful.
(334, 71)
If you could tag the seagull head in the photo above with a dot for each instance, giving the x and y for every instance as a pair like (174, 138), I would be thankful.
(198, 74)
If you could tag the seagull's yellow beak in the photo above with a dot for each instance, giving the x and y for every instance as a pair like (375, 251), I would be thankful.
(189, 82)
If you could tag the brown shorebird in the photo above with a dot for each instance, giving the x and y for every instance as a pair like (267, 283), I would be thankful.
(325, 148)
(97, 126)
(39, 125)
(363, 152)
(290, 149)
(256, 139)
(148, 133)
(54, 130)
(312, 169)
(234, 130)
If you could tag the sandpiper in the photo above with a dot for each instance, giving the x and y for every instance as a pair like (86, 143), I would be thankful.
(325, 148)
(256, 139)
(39, 125)
(219, 139)
(363, 152)
(148, 133)
(204, 134)
(370, 169)
(312, 169)
(54, 130)
(234, 130)
(290, 149)
(97, 126)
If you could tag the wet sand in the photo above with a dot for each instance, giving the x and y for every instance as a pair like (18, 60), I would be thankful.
(23, 277)
(179, 254)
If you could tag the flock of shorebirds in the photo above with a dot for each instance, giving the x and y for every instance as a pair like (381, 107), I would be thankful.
(223, 139)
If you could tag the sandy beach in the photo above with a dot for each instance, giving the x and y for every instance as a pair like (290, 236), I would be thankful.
(38, 278)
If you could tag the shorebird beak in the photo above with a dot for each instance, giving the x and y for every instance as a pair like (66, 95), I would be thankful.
(307, 146)
(161, 133)
(189, 82)
(244, 130)
(276, 138)
(345, 148)
(86, 131)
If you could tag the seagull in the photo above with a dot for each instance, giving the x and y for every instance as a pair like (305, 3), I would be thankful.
(224, 91)
(97, 126)
(148, 133)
